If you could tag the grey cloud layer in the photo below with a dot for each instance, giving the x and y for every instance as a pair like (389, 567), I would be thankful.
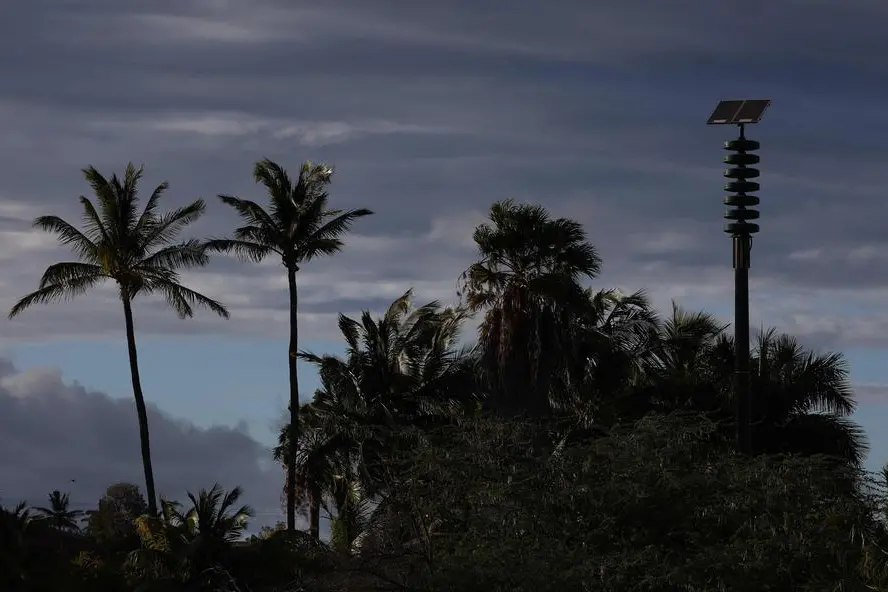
(55, 435)
(430, 114)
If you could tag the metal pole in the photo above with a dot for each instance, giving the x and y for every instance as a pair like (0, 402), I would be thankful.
(741, 231)
(742, 393)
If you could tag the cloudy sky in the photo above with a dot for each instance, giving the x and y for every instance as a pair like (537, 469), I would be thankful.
(430, 112)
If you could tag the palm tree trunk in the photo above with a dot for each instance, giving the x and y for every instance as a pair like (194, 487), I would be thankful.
(294, 402)
(141, 411)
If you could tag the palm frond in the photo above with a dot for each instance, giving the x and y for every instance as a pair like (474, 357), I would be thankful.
(92, 222)
(108, 197)
(83, 245)
(128, 197)
(279, 187)
(149, 212)
(191, 253)
(350, 330)
(55, 293)
(325, 240)
(822, 433)
(242, 249)
(272, 176)
(166, 228)
(183, 299)
(70, 271)
(251, 212)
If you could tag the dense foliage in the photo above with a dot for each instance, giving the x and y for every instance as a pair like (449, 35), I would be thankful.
(584, 442)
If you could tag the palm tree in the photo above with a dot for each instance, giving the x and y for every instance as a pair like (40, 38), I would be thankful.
(15, 559)
(355, 513)
(689, 368)
(180, 548)
(401, 373)
(609, 347)
(407, 365)
(297, 227)
(803, 400)
(213, 515)
(322, 458)
(692, 362)
(135, 250)
(58, 513)
(528, 281)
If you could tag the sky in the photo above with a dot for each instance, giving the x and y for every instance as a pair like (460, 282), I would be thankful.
(429, 112)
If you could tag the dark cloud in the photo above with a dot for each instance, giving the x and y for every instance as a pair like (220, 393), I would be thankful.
(57, 435)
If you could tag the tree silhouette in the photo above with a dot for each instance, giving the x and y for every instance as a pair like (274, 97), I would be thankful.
(527, 280)
(137, 251)
(296, 226)
(58, 513)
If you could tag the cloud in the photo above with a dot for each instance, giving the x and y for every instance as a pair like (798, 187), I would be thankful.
(327, 132)
(430, 115)
(238, 125)
(58, 435)
(869, 393)
(195, 29)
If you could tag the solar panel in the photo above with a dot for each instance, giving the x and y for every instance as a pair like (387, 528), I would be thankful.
(724, 112)
(736, 112)
(751, 111)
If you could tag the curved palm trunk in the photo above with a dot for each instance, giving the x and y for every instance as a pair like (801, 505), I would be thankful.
(141, 411)
(294, 402)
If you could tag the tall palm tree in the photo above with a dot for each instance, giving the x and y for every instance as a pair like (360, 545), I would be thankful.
(297, 227)
(58, 513)
(528, 281)
(138, 251)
